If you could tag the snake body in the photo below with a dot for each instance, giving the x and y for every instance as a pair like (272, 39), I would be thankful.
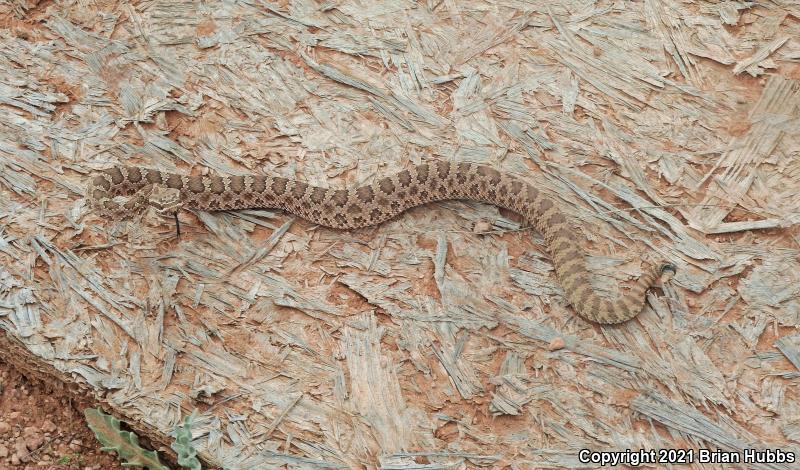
(374, 203)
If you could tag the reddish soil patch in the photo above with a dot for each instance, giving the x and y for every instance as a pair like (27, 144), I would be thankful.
(41, 428)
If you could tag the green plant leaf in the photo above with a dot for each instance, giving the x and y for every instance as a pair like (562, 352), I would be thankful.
(125, 444)
(187, 454)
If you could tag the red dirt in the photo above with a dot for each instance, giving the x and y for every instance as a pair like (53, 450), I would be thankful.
(41, 428)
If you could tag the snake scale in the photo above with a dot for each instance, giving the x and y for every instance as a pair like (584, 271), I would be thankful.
(374, 203)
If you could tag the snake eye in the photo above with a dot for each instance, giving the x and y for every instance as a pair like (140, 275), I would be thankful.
(669, 268)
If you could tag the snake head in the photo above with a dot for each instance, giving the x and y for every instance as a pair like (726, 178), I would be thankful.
(166, 201)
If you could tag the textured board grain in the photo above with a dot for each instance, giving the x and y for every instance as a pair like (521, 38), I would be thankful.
(442, 337)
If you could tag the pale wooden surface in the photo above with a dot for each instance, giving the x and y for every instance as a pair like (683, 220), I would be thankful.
(662, 126)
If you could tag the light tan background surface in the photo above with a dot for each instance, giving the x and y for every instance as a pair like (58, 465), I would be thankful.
(434, 339)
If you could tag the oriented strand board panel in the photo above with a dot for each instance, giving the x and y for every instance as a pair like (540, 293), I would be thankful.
(440, 339)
